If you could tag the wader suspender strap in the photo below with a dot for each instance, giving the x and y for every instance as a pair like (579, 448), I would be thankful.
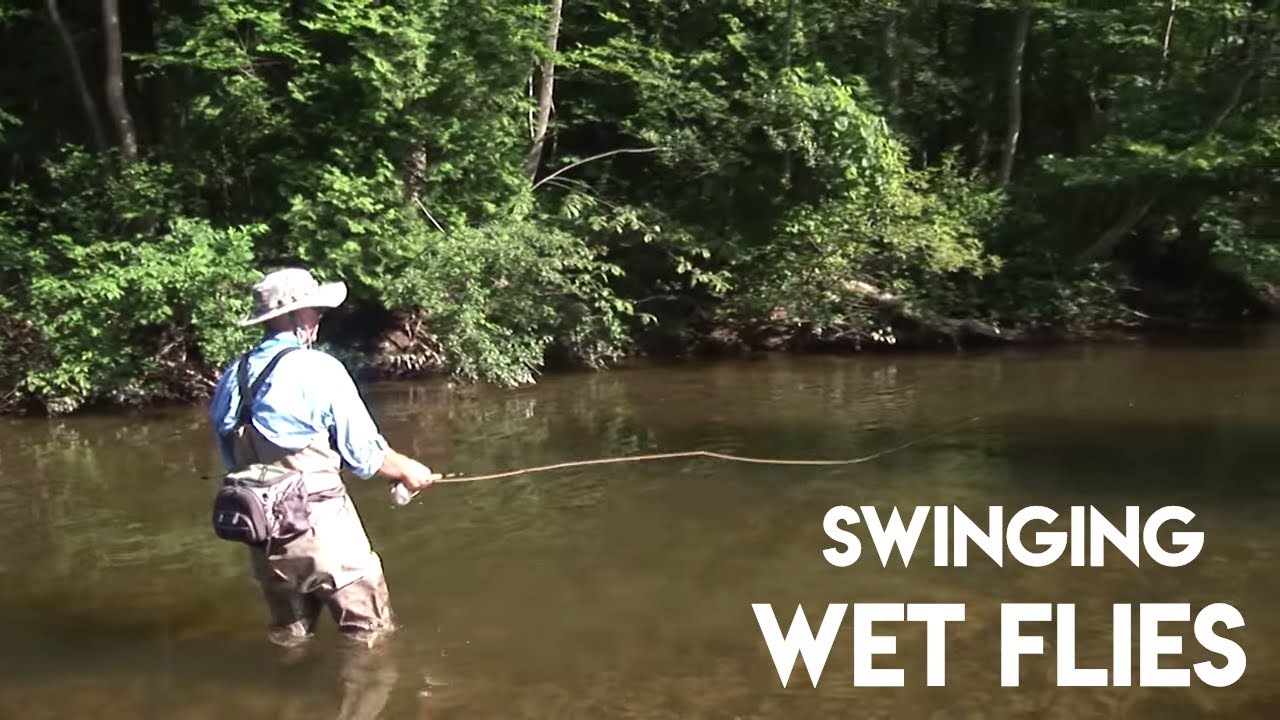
(258, 511)
(250, 392)
(247, 392)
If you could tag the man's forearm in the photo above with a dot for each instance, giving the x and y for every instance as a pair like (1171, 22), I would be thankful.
(404, 469)
(394, 466)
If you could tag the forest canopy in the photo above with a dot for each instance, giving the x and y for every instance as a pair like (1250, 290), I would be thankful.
(506, 184)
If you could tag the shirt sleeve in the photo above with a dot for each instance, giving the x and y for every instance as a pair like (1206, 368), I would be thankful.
(219, 413)
(355, 434)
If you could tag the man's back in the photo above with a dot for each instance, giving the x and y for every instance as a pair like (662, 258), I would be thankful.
(309, 398)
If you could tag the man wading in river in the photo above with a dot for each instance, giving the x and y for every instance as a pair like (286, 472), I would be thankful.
(304, 423)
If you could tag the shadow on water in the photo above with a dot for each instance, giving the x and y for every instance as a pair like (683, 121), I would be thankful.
(625, 590)
(1155, 460)
(123, 670)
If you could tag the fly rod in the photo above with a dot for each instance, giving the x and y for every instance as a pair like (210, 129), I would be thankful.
(401, 495)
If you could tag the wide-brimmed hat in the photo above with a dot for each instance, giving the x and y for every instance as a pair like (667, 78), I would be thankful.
(283, 291)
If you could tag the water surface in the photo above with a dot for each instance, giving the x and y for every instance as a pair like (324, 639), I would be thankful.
(625, 591)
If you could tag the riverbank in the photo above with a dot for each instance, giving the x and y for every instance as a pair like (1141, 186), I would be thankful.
(381, 346)
(398, 358)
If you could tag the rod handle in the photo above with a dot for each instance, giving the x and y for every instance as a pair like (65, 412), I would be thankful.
(401, 495)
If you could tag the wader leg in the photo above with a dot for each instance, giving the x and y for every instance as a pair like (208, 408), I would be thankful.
(293, 615)
(362, 609)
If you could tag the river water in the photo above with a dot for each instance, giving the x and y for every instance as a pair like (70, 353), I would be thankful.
(626, 591)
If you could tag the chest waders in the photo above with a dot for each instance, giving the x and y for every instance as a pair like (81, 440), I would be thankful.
(316, 552)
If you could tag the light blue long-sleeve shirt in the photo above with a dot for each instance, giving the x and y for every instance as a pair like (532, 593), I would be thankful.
(309, 396)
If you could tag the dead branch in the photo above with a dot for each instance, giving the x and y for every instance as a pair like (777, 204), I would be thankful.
(600, 156)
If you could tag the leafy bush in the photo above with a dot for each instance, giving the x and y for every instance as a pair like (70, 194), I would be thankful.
(495, 296)
(119, 289)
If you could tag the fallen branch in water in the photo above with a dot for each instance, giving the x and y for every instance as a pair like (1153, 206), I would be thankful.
(954, 328)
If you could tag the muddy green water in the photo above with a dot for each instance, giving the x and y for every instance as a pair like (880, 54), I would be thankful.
(625, 591)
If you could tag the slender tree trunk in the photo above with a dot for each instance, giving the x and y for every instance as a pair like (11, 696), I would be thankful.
(533, 96)
(1128, 220)
(115, 80)
(942, 30)
(1021, 28)
(149, 107)
(415, 172)
(889, 68)
(1259, 52)
(82, 87)
(546, 88)
(790, 27)
(1168, 37)
(788, 163)
(980, 97)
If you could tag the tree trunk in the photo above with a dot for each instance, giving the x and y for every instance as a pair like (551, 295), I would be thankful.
(1168, 37)
(890, 71)
(82, 87)
(942, 30)
(1021, 28)
(1128, 220)
(788, 162)
(546, 88)
(980, 95)
(138, 22)
(115, 80)
(415, 172)
(790, 27)
(928, 322)
(1259, 51)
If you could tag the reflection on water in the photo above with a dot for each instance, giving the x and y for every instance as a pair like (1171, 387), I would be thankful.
(626, 590)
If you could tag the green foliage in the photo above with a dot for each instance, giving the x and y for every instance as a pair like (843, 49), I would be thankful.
(353, 227)
(500, 295)
(798, 190)
(116, 283)
(1033, 293)
(881, 223)
(496, 296)
(823, 162)
(1244, 237)
(101, 322)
